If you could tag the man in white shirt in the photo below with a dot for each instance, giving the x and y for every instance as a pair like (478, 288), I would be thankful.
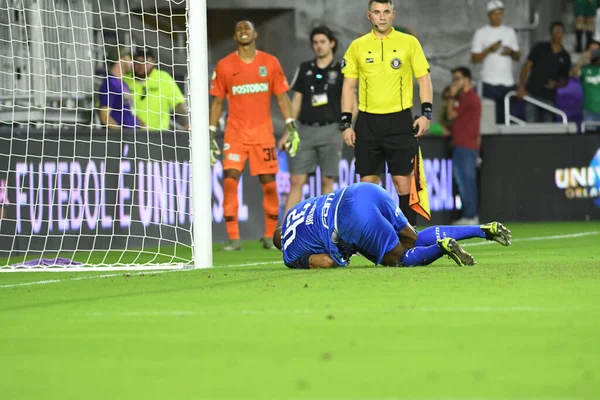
(496, 47)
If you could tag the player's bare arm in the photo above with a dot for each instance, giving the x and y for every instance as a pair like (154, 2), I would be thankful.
(321, 261)
(106, 119)
(216, 108)
(348, 107)
(393, 258)
(311, 261)
(181, 114)
(426, 94)
(291, 132)
(408, 236)
(296, 104)
(285, 106)
(355, 107)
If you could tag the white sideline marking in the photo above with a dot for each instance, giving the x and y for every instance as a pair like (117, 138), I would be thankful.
(122, 267)
(249, 264)
(81, 278)
(92, 269)
(535, 239)
(513, 397)
(201, 313)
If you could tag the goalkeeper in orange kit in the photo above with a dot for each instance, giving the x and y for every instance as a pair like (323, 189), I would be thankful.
(247, 78)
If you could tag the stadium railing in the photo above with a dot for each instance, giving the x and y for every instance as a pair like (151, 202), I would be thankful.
(508, 117)
(585, 125)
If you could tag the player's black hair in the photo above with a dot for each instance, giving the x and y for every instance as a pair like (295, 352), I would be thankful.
(390, 2)
(277, 237)
(244, 20)
(591, 43)
(555, 24)
(323, 30)
(464, 71)
(116, 54)
(145, 53)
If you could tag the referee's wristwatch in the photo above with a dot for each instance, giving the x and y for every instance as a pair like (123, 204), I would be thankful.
(427, 110)
(346, 121)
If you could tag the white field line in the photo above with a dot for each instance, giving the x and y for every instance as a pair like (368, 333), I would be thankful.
(91, 269)
(328, 311)
(253, 264)
(80, 278)
(127, 268)
(536, 239)
(513, 397)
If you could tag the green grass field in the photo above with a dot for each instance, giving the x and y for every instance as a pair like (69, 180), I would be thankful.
(522, 324)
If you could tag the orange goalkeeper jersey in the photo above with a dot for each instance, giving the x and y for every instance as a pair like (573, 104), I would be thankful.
(248, 88)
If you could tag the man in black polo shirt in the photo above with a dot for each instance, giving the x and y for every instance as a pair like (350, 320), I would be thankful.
(548, 68)
(316, 104)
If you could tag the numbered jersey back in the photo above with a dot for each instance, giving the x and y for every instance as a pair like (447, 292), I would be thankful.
(307, 229)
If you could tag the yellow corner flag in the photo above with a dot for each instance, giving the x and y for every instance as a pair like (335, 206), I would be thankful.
(419, 196)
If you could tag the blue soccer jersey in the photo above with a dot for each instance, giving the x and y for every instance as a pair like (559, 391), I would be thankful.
(369, 219)
(363, 216)
(307, 229)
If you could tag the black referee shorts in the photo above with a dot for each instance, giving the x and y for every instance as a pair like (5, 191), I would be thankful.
(384, 138)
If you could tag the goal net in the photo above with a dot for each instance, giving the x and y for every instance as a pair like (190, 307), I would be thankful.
(95, 167)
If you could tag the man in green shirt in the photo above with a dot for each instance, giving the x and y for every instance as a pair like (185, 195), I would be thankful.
(155, 93)
(590, 81)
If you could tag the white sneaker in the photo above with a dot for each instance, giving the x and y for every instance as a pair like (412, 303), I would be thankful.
(467, 221)
(473, 221)
(461, 221)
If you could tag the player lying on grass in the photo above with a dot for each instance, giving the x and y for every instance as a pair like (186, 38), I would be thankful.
(325, 231)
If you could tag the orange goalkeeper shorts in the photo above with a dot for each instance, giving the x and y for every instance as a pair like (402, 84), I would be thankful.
(262, 157)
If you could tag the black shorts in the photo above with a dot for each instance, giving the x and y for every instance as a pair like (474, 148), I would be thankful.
(384, 138)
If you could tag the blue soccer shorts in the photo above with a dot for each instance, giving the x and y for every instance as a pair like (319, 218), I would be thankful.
(369, 218)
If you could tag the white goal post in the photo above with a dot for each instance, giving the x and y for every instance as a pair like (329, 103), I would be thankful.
(99, 169)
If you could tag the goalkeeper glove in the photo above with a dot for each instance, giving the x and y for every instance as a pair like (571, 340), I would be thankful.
(293, 140)
(215, 152)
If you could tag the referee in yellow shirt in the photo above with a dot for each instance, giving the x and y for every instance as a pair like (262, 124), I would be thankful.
(382, 63)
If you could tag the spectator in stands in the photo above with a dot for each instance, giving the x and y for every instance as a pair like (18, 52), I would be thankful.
(547, 68)
(585, 59)
(464, 109)
(496, 47)
(590, 81)
(444, 120)
(114, 95)
(585, 15)
(155, 94)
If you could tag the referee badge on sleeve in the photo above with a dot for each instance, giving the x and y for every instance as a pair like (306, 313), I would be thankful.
(343, 63)
(396, 63)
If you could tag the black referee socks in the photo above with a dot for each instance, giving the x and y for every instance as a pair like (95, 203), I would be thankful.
(408, 212)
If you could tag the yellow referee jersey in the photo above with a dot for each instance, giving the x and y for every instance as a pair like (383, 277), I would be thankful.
(385, 69)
